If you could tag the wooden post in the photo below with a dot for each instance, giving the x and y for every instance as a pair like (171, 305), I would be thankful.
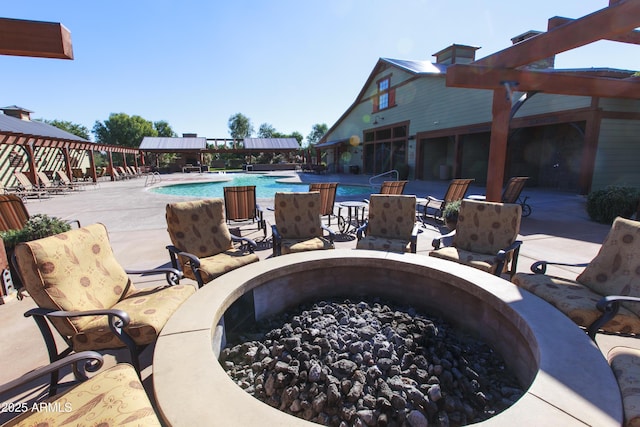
(113, 178)
(33, 168)
(498, 149)
(92, 166)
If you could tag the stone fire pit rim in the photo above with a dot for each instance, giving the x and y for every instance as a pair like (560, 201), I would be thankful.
(185, 365)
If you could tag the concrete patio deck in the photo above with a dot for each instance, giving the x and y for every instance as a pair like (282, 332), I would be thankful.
(558, 229)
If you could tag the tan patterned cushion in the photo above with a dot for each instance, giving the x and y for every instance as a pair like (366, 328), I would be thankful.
(199, 227)
(149, 309)
(112, 397)
(486, 227)
(576, 301)
(382, 244)
(216, 265)
(480, 261)
(391, 216)
(297, 215)
(616, 268)
(290, 246)
(75, 270)
(625, 363)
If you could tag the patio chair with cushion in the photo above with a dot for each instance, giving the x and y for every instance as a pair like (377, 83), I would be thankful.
(85, 294)
(240, 205)
(202, 246)
(625, 364)
(113, 396)
(327, 198)
(511, 194)
(391, 225)
(485, 237)
(456, 191)
(606, 294)
(298, 226)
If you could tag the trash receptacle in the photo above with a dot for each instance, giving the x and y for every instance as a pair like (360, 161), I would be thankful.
(354, 169)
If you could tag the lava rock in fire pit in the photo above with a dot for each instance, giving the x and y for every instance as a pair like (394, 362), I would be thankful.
(340, 363)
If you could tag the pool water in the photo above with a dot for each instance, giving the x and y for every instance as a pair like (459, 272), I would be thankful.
(266, 187)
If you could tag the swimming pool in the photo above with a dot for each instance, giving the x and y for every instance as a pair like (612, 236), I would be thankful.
(266, 187)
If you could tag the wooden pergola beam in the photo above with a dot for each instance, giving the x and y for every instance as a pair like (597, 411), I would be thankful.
(617, 19)
(477, 77)
(632, 37)
(35, 38)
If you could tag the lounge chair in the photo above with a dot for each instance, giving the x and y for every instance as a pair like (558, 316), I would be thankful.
(605, 295)
(83, 292)
(485, 237)
(240, 205)
(391, 225)
(327, 198)
(456, 191)
(74, 185)
(113, 396)
(49, 186)
(26, 189)
(298, 226)
(202, 246)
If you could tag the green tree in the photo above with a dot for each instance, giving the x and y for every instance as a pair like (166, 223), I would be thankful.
(74, 128)
(317, 132)
(298, 136)
(267, 131)
(122, 129)
(164, 129)
(240, 126)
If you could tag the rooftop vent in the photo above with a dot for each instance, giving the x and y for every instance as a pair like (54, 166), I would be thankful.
(541, 64)
(17, 112)
(456, 54)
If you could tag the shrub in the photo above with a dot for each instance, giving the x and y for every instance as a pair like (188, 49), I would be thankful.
(451, 210)
(604, 206)
(37, 227)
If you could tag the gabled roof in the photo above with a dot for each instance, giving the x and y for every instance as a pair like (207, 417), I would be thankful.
(417, 67)
(271, 144)
(411, 66)
(151, 143)
(10, 124)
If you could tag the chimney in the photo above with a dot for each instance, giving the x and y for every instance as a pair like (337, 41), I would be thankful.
(189, 135)
(538, 65)
(17, 112)
(456, 54)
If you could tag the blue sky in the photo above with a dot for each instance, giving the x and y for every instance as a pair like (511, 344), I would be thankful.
(289, 63)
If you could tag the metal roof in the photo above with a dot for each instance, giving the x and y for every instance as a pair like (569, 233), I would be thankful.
(331, 143)
(271, 144)
(165, 143)
(31, 127)
(419, 67)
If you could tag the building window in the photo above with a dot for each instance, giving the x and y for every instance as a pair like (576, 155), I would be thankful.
(385, 96)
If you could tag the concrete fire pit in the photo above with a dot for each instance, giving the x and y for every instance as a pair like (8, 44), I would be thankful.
(566, 378)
